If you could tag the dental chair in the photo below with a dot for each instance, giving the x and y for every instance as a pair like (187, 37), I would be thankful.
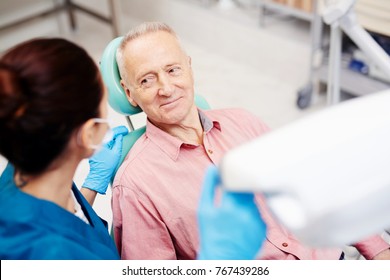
(118, 100)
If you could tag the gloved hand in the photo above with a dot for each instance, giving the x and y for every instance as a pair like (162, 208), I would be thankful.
(103, 164)
(231, 230)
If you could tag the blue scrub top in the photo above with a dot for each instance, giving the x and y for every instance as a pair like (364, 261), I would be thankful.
(32, 228)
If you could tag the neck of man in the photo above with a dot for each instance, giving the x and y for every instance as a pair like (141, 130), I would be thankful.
(189, 130)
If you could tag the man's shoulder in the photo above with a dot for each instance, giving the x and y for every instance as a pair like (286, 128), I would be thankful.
(139, 145)
(130, 161)
(138, 160)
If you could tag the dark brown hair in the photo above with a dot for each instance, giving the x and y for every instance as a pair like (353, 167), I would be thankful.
(48, 88)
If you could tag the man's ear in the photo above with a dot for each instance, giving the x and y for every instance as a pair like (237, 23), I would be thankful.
(128, 94)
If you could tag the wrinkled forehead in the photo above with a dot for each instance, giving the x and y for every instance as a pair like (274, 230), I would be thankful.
(154, 51)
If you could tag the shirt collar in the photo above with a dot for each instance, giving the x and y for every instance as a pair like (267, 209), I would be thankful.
(171, 145)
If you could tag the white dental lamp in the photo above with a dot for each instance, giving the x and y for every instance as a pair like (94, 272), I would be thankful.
(325, 177)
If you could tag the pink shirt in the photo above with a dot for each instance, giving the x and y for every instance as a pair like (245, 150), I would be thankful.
(157, 188)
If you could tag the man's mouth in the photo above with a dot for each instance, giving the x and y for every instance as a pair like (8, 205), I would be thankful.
(170, 102)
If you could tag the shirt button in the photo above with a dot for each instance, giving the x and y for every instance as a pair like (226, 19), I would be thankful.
(210, 151)
(284, 244)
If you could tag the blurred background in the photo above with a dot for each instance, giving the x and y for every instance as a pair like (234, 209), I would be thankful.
(267, 56)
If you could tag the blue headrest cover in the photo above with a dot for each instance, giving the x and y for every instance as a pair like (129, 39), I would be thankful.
(111, 77)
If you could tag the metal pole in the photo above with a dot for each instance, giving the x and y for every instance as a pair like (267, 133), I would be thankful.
(115, 17)
(130, 123)
(333, 92)
(365, 42)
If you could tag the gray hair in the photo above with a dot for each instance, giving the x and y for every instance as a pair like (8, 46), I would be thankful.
(134, 33)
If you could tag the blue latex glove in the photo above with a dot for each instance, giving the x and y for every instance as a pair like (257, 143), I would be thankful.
(103, 164)
(231, 230)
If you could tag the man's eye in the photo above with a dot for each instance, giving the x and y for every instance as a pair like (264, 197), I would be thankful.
(175, 70)
(147, 82)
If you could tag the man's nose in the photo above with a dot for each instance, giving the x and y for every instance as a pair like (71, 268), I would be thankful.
(166, 86)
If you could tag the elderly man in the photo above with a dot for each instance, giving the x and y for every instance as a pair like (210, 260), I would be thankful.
(157, 189)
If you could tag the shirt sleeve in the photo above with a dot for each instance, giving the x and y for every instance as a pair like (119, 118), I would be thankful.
(139, 231)
(372, 246)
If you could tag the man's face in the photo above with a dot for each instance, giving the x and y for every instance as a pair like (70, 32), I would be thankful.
(160, 78)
